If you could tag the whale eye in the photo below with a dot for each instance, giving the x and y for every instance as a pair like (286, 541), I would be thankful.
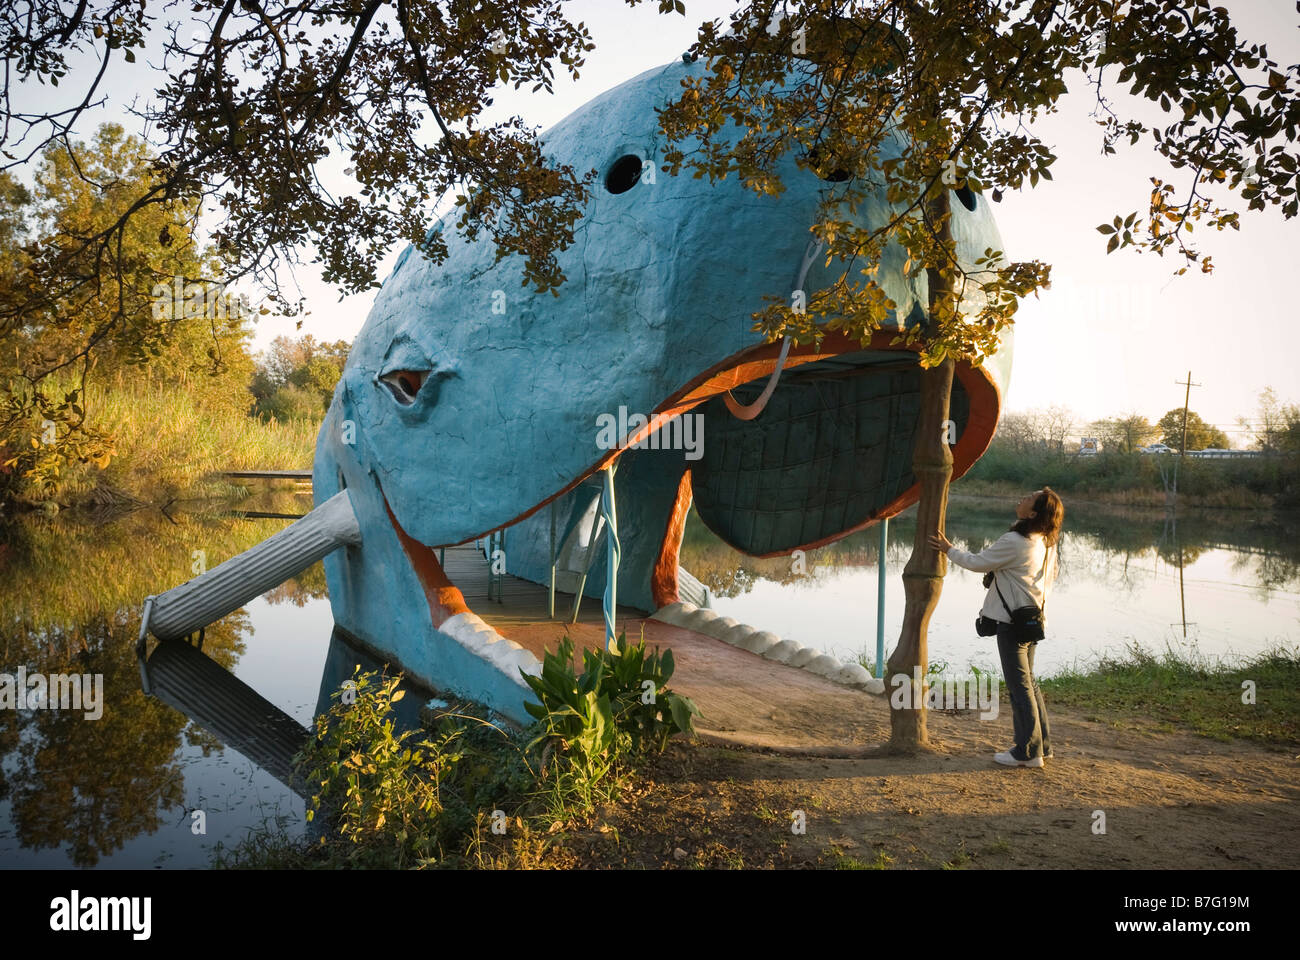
(404, 384)
(624, 174)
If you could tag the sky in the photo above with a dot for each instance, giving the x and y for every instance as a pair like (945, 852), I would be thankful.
(1113, 335)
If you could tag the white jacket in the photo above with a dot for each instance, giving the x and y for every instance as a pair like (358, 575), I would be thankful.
(1021, 568)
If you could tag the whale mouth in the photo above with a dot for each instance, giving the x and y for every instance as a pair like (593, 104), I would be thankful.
(830, 449)
(830, 453)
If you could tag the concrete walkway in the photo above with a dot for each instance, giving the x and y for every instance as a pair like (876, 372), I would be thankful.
(743, 698)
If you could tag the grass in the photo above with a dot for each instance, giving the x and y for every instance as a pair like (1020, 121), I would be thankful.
(463, 791)
(882, 861)
(170, 445)
(866, 658)
(1202, 694)
(999, 846)
(1171, 691)
(959, 859)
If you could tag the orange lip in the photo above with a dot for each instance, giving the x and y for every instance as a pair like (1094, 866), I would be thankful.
(445, 599)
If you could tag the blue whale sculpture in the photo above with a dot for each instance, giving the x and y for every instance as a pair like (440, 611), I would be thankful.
(468, 403)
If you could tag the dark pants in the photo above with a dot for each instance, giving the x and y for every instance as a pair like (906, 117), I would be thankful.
(1028, 713)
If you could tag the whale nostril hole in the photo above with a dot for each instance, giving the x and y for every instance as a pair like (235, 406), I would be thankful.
(624, 174)
(828, 170)
(404, 384)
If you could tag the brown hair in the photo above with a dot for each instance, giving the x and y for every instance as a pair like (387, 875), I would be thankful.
(1047, 519)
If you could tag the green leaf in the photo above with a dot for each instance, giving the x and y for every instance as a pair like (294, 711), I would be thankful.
(682, 708)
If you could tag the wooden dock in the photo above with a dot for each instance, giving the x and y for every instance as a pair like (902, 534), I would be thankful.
(523, 602)
(302, 476)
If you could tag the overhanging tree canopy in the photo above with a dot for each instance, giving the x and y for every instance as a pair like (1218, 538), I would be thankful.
(255, 100)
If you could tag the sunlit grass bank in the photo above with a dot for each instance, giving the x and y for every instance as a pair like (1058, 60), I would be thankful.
(169, 444)
(1255, 699)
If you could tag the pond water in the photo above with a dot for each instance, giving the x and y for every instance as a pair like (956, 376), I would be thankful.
(121, 791)
(1213, 584)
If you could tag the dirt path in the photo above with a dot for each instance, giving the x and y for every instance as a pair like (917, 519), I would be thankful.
(1169, 800)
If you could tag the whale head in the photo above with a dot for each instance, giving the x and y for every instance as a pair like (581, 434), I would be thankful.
(469, 401)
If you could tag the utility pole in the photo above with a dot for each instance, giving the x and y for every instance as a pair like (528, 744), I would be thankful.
(1182, 448)
(1186, 397)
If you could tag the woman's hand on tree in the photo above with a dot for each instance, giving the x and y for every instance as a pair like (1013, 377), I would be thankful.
(940, 542)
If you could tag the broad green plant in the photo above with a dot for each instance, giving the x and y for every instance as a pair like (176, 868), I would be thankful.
(620, 705)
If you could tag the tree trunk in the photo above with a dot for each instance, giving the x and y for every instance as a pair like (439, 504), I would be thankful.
(923, 575)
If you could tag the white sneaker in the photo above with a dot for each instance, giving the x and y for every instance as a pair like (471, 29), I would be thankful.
(1007, 760)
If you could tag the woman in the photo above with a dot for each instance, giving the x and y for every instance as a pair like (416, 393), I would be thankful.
(1022, 564)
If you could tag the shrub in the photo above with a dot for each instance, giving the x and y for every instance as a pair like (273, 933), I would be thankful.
(379, 790)
(619, 706)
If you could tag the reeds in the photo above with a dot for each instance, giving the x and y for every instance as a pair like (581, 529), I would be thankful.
(169, 443)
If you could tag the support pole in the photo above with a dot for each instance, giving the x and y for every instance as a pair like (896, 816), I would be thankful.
(612, 550)
(551, 606)
(880, 598)
(1182, 448)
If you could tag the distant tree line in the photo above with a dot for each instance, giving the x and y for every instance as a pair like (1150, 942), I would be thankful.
(295, 378)
(166, 322)
(1275, 428)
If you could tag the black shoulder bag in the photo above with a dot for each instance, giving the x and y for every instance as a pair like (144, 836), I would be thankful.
(1028, 622)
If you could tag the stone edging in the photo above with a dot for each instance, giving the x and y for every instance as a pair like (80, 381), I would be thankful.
(767, 645)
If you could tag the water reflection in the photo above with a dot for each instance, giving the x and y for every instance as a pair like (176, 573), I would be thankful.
(87, 792)
(122, 790)
(1128, 578)
(180, 675)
